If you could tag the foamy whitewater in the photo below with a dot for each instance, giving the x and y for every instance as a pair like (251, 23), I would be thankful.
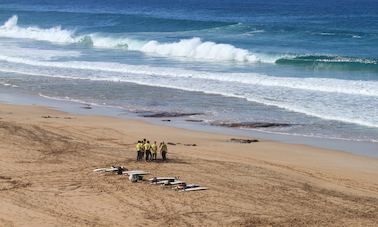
(187, 48)
(322, 79)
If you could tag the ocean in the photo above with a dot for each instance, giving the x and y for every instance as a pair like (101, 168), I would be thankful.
(312, 65)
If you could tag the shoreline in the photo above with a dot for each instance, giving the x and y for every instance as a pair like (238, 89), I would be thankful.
(364, 148)
(47, 178)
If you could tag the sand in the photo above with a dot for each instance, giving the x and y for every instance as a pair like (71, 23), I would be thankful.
(46, 177)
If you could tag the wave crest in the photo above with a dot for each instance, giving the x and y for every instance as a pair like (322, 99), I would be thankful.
(10, 29)
(197, 49)
(331, 62)
(193, 48)
(11, 22)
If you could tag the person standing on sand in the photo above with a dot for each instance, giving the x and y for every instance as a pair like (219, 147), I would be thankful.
(142, 149)
(138, 148)
(163, 150)
(154, 149)
(147, 148)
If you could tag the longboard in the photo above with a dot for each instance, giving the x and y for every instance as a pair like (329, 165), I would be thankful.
(176, 182)
(182, 187)
(168, 182)
(194, 189)
(136, 172)
(112, 169)
(163, 178)
(161, 182)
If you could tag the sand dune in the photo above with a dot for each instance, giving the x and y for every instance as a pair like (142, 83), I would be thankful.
(46, 177)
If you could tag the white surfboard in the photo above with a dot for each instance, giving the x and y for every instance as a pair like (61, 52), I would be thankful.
(176, 182)
(136, 172)
(194, 189)
(111, 169)
(168, 182)
(135, 177)
(186, 186)
(163, 179)
(161, 182)
(192, 186)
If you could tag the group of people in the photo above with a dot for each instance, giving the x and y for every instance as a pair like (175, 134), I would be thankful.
(149, 151)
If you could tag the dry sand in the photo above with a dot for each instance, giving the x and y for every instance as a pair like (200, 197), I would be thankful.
(46, 177)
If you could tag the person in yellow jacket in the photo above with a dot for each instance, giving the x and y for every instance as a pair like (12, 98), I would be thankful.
(163, 150)
(139, 150)
(154, 149)
(142, 142)
(147, 149)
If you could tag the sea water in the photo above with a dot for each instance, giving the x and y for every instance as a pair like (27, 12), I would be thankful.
(311, 64)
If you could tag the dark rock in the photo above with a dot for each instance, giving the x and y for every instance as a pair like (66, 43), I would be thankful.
(190, 145)
(169, 143)
(250, 124)
(48, 116)
(244, 140)
(169, 114)
(167, 120)
(193, 120)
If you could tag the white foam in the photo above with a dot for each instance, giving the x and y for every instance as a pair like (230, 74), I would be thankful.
(10, 29)
(332, 99)
(8, 84)
(11, 22)
(102, 41)
(330, 85)
(193, 48)
(69, 99)
(36, 54)
(197, 49)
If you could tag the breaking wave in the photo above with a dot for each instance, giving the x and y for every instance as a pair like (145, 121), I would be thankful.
(331, 62)
(193, 48)
(10, 29)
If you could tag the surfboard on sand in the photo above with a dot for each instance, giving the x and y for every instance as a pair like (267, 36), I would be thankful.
(176, 182)
(157, 179)
(194, 189)
(167, 182)
(135, 177)
(183, 186)
(111, 169)
(136, 172)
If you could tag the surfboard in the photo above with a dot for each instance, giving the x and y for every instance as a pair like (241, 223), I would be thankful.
(194, 189)
(176, 182)
(112, 169)
(186, 186)
(162, 178)
(136, 172)
(161, 182)
(192, 185)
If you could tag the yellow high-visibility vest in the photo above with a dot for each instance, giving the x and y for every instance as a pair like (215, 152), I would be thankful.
(154, 148)
(164, 148)
(147, 146)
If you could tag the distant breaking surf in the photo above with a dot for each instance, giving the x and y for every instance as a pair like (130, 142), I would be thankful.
(193, 48)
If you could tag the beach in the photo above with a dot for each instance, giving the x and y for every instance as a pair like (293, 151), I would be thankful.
(47, 178)
(269, 105)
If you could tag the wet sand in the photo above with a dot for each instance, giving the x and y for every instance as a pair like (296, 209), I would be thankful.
(46, 177)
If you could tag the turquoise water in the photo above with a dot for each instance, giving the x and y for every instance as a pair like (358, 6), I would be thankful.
(311, 64)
